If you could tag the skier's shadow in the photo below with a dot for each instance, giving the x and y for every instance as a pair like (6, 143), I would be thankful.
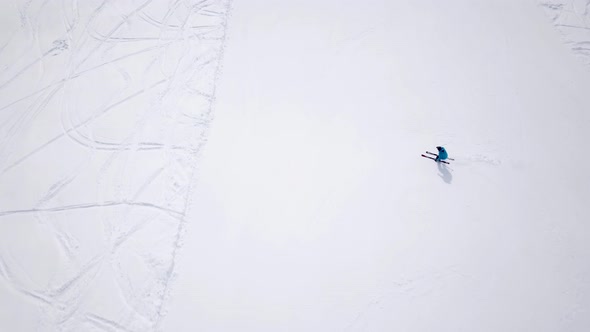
(445, 174)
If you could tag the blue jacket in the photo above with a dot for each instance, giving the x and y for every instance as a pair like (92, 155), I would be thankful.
(442, 153)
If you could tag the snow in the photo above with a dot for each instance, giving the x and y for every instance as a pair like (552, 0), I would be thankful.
(255, 165)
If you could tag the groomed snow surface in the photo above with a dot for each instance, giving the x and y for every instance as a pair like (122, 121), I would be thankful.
(254, 165)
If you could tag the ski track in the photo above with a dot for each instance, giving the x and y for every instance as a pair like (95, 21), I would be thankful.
(111, 201)
(572, 20)
(409, 290)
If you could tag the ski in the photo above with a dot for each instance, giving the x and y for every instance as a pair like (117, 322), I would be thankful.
(434, 154)
(431, 158)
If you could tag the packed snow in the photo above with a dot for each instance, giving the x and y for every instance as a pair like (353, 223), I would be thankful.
(254, 165)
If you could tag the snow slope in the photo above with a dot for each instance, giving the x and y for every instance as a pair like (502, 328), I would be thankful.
(301, 203)
(315, 211)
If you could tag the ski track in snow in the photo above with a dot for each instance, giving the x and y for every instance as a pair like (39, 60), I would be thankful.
(572, 19)
(112, 100)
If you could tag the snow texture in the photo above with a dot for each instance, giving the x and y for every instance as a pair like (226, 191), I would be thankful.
(105, 107)
(143, 188)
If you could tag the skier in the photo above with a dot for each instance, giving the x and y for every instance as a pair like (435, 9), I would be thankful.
(442, 154)
(441, 157)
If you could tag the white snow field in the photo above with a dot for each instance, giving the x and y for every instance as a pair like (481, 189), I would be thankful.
(254, 165)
